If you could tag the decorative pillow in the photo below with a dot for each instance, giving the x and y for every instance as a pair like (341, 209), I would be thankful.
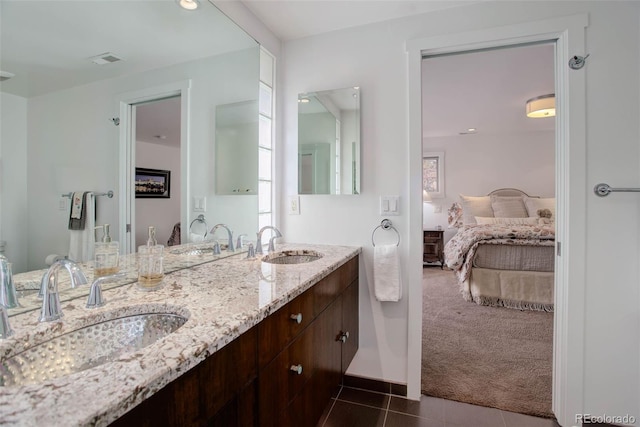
(475, 206)
(533, 204)
(508, 207)
(507, 221)
(454, 215)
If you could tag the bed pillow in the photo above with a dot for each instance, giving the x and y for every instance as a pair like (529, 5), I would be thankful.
(473, 206)
(506, 221)
(533, 204)
(508, 207)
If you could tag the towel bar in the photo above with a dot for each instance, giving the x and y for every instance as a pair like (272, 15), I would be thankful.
(385, 225)
(109, 194)
(604, 190)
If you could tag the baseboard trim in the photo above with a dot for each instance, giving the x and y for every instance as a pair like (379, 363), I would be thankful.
(375, 385)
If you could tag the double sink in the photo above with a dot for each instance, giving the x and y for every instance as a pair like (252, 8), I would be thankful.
(107, 340)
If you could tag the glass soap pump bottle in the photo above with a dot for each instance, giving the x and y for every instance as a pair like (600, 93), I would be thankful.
(150, 268)
(106, 255)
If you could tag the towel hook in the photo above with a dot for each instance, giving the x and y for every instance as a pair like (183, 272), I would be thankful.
(385, 225)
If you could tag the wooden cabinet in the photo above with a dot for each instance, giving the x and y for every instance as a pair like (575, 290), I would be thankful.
(282, 372)
(296, 385)
(433, 246)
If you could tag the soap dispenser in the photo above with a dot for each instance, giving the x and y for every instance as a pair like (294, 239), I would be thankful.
(106, 255)
(150, 269)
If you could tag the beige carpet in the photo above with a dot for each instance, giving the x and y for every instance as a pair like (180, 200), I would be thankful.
(489, 356)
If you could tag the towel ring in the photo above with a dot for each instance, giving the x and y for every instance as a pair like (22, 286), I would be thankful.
(201, 219)
(385, 225)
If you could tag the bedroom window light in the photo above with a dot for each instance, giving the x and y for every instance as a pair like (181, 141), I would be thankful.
(433, 174)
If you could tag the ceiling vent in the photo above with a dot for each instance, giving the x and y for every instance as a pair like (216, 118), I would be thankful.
(5, 75)
(105, 58)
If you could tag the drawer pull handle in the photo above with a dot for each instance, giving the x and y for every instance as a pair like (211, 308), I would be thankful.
(296, 368)
(344, 336)
(296, 318)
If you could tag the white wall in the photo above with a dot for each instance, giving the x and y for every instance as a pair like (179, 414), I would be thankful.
(163, 214)
(72, 145)
(476, 164)
(373, 57)
(14, 228)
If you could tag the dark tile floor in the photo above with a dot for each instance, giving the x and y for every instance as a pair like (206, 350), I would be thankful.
(352, 407)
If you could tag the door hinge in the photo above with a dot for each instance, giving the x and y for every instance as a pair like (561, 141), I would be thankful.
(558, 252)
(128, 228)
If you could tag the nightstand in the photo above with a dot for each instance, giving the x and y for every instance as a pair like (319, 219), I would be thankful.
(433, 246)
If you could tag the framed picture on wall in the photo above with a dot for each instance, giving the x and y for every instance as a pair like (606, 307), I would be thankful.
(153, 183)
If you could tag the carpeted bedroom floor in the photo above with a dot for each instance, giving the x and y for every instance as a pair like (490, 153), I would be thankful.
(488, 356)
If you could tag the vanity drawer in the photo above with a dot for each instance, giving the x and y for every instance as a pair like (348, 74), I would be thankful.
(277, 330)
(279, 382)
(331, 286)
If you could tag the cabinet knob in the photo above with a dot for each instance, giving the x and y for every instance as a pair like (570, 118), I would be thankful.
(296, 369)
(344, 336)
(296, 317)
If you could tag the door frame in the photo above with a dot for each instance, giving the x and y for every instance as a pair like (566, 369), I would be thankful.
(568, 34)
(127, 160)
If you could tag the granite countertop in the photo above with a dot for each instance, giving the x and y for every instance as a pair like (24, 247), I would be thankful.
(221, 299)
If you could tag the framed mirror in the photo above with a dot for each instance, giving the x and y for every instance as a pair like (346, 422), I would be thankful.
(329, 142)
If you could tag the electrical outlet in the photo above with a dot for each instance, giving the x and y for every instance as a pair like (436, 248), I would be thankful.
(294, 205)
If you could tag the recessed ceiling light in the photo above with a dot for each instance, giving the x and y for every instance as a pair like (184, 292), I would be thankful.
(471, 130)
(189, 4)
(303, 100)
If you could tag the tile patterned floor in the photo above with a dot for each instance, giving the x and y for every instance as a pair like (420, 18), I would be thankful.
(352, 407)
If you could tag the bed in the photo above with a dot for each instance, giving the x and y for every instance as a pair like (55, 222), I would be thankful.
(503, 252)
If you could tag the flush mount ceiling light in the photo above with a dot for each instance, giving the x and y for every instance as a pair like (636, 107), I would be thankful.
(542, 106)
(189, 4)
(5, 75)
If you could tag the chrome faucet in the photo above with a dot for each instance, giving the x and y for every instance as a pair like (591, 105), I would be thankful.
(8, 297)
(240, 241)
(49, 287)
(95, 292)
(230, 247)
(271, 248)
(5, 328)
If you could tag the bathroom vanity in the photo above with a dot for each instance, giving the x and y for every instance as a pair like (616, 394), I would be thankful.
(263, 344)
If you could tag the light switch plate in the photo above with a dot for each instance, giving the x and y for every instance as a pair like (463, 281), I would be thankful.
(294, 205)
(199, 204)
(389, 205)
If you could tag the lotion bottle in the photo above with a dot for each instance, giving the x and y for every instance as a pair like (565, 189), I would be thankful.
(106, 255)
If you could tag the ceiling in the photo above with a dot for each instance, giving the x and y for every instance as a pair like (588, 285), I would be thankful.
(294, 19)
(46, 44)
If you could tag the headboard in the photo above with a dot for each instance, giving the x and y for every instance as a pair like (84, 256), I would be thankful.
(507, 192)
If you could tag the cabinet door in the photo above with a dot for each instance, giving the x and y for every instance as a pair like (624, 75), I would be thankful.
(350, 324)
(279, 383)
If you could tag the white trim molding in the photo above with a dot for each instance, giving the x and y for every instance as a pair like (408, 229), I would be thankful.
(568, 34)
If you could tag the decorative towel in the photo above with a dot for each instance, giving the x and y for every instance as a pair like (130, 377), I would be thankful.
(77, 214)
(174, 239)
(82, 241)
(196, 238)
(386, 273)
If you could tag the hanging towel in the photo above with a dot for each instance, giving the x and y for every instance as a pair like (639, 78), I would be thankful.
(386, 273)
(82, 241)
(78, 212)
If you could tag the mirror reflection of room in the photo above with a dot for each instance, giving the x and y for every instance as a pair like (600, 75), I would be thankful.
(329, 142)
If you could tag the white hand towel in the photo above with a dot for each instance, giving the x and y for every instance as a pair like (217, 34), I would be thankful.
(196, 238)
(82, 242)
(386, 273)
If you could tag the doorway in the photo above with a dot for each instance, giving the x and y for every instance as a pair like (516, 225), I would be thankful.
(569, 36)
(474, 114)
(157, 151)
(129, 104)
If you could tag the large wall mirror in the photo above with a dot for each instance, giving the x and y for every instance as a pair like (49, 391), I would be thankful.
(65, 66)
(329, 142)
